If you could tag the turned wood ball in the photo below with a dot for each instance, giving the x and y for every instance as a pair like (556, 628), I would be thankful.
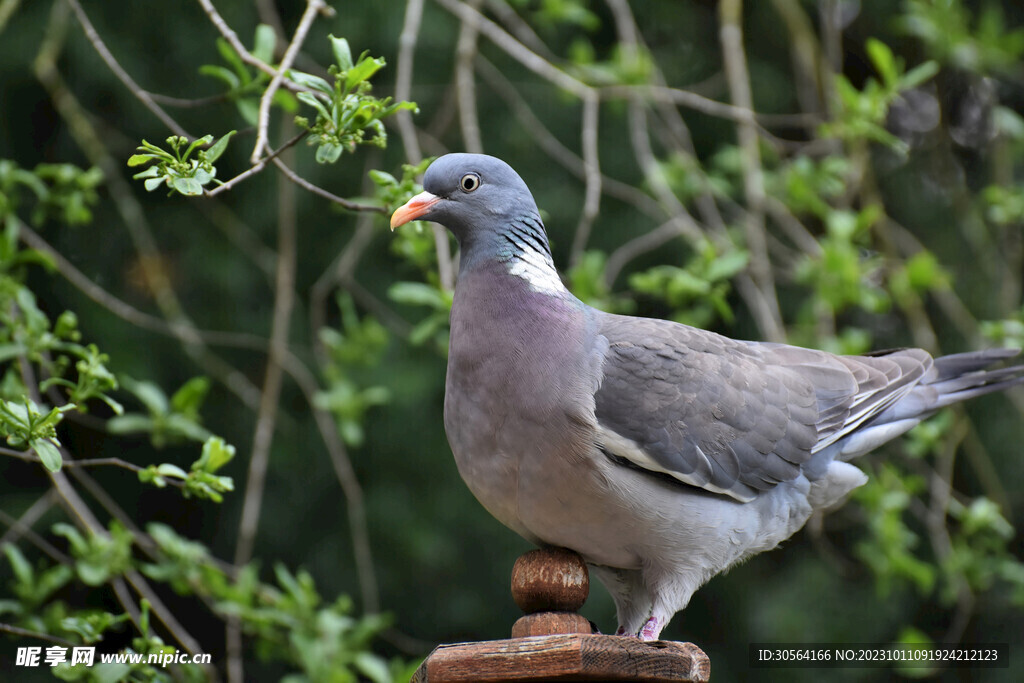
(550, 580)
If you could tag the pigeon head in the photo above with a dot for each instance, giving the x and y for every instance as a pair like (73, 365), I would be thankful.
(474, 195)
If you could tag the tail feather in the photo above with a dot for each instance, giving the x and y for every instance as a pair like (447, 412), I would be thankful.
(958, 364)
(975, 384)
(954, 378)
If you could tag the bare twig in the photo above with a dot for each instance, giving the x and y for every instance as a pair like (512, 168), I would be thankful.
(88, 462)
(122, 75)
(126, 311)
(342, 267)
(229, 35)
(313, 7)
(37, 635)
(522, 54)
(403, 79)
(284, 301)
(270, 398)
(522, 30)
(22, 527)
(645, 243)
(403, 92)
(346, 476)
(187, 103)
(133, 216)
(271, 17)
(465, 90)
(317, 190)
(7, 9)
(640, 139)
(256, 167)
(592, 175)
(554, 148)
(768, 316)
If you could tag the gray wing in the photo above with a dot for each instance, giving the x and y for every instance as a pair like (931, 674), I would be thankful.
(734, 417)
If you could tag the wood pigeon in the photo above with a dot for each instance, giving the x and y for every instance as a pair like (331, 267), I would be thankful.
(662, 453)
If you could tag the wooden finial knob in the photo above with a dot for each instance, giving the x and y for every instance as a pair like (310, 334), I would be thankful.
(550, 584)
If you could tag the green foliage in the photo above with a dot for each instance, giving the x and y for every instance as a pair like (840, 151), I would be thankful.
(587, 282)
(845, 274)
(1008, 332)
(890, 548)
(346, 114)
(168, 421)
(554, 13)
(26, 425)
(62, 192)
(439, 304)
(181, 173)
(391, 192)
(862, 113)
(290, 620)
(1004, 205)
(246, 84)
(200, 481)
(698, 292)
(98, 558)
(807, 185)
(632, 66)
(981, 44)
(357, 343)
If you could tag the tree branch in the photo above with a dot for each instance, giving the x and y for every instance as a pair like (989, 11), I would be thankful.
(313, 7)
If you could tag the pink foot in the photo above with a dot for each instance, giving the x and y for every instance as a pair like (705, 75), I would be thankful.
(651, 629)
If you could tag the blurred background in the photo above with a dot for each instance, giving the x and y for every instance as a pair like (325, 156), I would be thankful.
(843, 174)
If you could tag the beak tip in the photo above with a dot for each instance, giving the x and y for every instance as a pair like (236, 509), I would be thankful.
(414, 209)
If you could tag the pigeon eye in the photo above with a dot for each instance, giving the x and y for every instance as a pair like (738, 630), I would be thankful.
(469, 182)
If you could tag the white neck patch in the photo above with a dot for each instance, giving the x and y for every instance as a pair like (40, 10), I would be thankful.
(536, 268)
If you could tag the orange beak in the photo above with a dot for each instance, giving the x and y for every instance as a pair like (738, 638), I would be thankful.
(413, 209)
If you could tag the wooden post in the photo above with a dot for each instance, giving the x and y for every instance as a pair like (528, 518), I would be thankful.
(554, 643)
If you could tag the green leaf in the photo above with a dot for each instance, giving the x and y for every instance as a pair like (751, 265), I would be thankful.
(342, 53)
(263, 44)
(249, 110)
(129, 424)
(884, 61)
(140, 159)
(187, 186)
(170, 470)
(198, 142)
(150, 394)
(48, 453)
(363, 71)
(919, 75)
(310, 81)
(328, 153)
(418, 294)
(19, 565)
(725, 267)
(313, 101)
(219, 72)
(153, 183)
(151, 172)
(373, 667)
(232, 58)
(217, 149)
(216, 454)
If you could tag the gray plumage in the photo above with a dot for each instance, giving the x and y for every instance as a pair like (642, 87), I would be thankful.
(662, 453)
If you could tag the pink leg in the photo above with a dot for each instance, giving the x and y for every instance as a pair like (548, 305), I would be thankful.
(651, 629)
